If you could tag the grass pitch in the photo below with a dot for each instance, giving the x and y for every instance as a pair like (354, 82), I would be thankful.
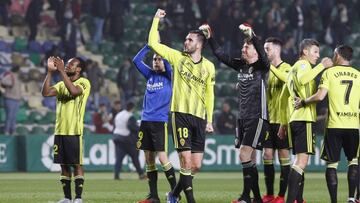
(101, 188)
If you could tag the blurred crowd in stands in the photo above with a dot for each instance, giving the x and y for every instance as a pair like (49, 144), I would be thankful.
(108, 33)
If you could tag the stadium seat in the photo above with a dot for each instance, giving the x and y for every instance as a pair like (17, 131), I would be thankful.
(35, 58)
(110, 60)
(232, 76)
(88, 117)
(34, 102)
(227, 90)
(107, 47)
(35, 117)
(47, 46)
(87, 131)
(21, 116)
(2, 115)
(50, 130)
(222, 76)
(218, 103)
(92, 47)
(35, 47)
(5, 47)
(326, 51)
(49, 102)
(38, 130)
(49, 118)
(20, 44)
(22, 130)
(110, 74)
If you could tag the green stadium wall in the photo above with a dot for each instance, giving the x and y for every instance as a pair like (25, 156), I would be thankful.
(33, 153)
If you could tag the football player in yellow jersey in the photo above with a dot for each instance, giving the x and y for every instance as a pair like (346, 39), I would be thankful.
(192, 102)
(301, 83)
(341, 83)
(272, 142)
(71, 96)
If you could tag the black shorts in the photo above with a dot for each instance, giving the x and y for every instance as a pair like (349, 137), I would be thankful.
(335, 139)
(188, 132)
(272, 140)
(251, 132)
(68, 149)
(153, 136)
(303, 137)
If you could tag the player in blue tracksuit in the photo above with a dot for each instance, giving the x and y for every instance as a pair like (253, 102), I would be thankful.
(153, 135)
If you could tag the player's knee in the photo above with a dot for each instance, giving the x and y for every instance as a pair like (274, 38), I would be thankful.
(65, 170)
(245, 153)
(195, 167)
(268, 155)
(163, 158)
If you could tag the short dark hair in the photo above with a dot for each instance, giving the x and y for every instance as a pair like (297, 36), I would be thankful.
(345, 51)
(130, 106)
(82, 64)
(201, 36)
(274, 40)
(306, 43)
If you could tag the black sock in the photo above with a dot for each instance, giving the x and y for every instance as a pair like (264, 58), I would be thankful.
(66, 185)
(299, 196)
(352, 177)
(332, 183)
(247, 173)
(170, 174)
(79, 182)
(284, 175)
(358, 181)
(255, 184)
(295, 177)
(152, 182)
(186, 179)
(269, 173)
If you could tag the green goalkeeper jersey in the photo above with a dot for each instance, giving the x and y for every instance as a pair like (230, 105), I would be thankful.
(193, 83)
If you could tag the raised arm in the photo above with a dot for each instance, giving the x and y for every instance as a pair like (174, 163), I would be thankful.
(139, 63)
(218, 51)
(47, 90)
(153, 41)
(234, 63)
(261, 52)
(311, 74)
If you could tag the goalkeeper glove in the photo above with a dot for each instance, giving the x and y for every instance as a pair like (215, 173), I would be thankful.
(247, 30)
(206, 30)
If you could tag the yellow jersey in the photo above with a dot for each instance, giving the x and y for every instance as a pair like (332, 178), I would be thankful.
(193, 83)
(301, 84)
(343, 86)
(274, 89)
(70, 110)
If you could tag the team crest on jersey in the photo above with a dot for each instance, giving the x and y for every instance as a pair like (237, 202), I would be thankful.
(138, 144)
(303, 66)
(251, 69)
(182, 141)
(203, 71)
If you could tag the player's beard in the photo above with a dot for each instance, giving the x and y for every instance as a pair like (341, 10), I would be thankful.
(188, 50)
(70, 74)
